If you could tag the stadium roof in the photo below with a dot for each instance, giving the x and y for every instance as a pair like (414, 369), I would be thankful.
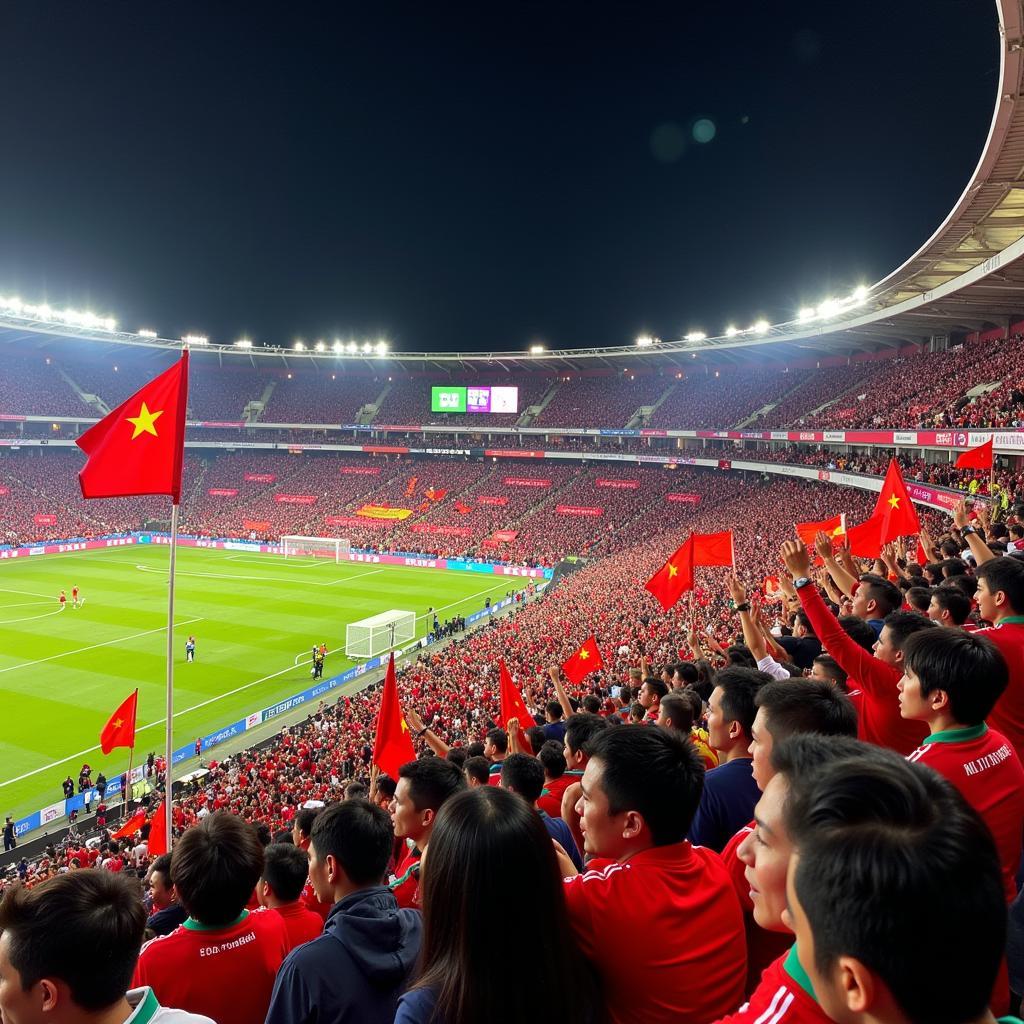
(968, 276)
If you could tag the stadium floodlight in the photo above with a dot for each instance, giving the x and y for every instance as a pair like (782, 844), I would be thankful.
(195, 339)
(336, 347)
(351, 348)
(761, 327)
(829, 307)
(693, 336)
(731, 332)
(381, 347)
(243, 343)
(860, 293)
(144, 332)
(319, 346)
(299, 347)
(807, 313)
(535, 350)
(644, 341)
(366, 348)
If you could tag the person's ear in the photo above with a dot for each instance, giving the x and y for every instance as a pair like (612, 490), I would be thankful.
(633, 825)
(857, 986)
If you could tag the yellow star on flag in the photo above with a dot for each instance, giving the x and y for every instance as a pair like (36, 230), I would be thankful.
(672, 570)
(584, 654)
(118, 722)
(144, 422)
(894, 502)
(405, 728)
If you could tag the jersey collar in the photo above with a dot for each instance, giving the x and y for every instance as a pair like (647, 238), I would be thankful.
(146, 1009)
(195, 926)
(794, 969)
(968, 732)
(1009, 620)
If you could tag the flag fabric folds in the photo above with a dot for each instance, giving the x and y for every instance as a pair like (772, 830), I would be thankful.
(383, 512)
(834, 527)
(894, 508)
(392, 746)
(981, 457)
(586, 660)
(675, 577)
(138, 448)
(158, 833)
(513, 706)
(120, 728)
(131, 826)
(865, 538)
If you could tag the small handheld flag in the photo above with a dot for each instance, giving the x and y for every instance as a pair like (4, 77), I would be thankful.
(586, 660)
(392, 745)
(513, 706)
(981, 457)
(120, 728)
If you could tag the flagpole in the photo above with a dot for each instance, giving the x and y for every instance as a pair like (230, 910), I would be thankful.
(126, 796)
(169, 737)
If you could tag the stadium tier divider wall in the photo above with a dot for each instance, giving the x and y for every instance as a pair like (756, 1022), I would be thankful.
(939, 498)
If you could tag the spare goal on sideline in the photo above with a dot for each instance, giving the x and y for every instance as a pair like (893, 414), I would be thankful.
(379, 633)
(335, 548)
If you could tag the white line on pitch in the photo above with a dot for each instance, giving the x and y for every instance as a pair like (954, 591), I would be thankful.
(28, 593)
(30, 618)
(93, 647)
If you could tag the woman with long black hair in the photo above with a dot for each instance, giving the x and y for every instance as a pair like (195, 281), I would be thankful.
(497, 944)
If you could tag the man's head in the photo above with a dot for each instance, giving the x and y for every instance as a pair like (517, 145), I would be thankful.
(897, 627)
(731, 708)
(1000, 588)
(349, 849)
(477, 771)
(651, 693)
(495, 744)
(826, 669)
(160, 885)
(523, 775)
(890, 862)
(789, 706)
(952, 677)
(641, 789)
(948, 606)
(919, 598)
(285, 868)
(302, 826)
(676, 712)
(552, 759)
(553, 711)
(45, 974)
(580, 732)
(423, 786)
(875, 598)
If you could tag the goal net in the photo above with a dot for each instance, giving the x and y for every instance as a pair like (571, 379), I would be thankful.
(379, 633)
(335, 548)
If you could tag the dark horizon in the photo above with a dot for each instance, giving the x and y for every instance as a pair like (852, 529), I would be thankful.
(459, 180)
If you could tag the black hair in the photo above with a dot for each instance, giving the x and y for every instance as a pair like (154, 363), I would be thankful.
(285, 869)
(804, 620)
(738, 656)
(886, 595)
(679, 711)
(46, 927)
(739, 686)
(1006, 575)
(462, 961)
(656, 686)
(655, 772)
(475, 749)
(386, 785)
(554, 709)
(431, 782)
(805, 705)
(687, 672)
(457, 756)
(892, 861)
(919, 598)
(582, 729)
(499, 738)
(859, 631)
(591, 704)
(968, 667)
(359, 836)
(552, 759)
(953, 567)
(954, 601)
(833, 669)
(478, 768)
(304, 819)
(968, 585)
(162, 864)
(524, 774)
(537, 736)
(902, 625)
(215, 866)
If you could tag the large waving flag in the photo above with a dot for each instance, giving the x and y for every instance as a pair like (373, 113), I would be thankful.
(392, 746)
(132, 825)
(120, 728)
(138, 448)
(513, 706)
(834, 527)
(675, 577)
(981, 457)
(894, 509)
(586, 660)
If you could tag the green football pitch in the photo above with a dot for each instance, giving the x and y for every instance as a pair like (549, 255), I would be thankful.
(62, 673)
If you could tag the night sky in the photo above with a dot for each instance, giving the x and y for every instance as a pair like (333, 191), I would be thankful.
(478, 176)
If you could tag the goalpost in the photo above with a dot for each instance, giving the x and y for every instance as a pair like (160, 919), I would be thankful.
(379, 633)
(315, 547)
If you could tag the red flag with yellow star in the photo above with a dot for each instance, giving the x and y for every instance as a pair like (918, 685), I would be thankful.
(392, 745)
(675, 577)
(120, 728)
(513, 706)
(586, 660)
(894, 509)
(138, 448)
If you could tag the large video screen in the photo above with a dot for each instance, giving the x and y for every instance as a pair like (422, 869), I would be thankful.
(474, 399)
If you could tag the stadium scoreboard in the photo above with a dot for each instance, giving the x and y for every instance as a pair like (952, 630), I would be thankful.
(474, 399)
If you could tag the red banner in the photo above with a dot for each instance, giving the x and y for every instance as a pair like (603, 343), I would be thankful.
(526, 481)
(512, 453)
(504, 536)
(260, 478)
(360, 470)
(442, 531)
(295, 499)
(259, 525)
(578, 510)
(222, 492)
(622, 485)
(44, 519)
(355, 521)
(486, 499)
(684, 499)
(385, 449)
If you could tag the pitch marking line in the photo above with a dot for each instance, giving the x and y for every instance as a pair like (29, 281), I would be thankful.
(93, 647)
(30, 618)
(28, 593)
(260, 579)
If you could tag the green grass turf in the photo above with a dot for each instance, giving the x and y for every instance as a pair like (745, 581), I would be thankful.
(63, 673)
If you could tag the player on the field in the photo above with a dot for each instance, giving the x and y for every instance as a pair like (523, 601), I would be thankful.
(63, 599)
(74, 597)
(190, 648)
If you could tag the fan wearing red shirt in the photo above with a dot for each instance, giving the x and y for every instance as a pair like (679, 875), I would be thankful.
(423, 786)
(556, 779)
(876, 675)
(302, 829)
(651, 692)
(1000, 598)
(223, 960)
(951, 681)
(285, 870)
(657, 917)
(893, 888)
(580, 732)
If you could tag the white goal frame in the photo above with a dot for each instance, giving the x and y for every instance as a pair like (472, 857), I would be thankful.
(335, 548)
(379, 633)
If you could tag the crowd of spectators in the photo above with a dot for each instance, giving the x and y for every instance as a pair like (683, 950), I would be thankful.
(611, 400)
